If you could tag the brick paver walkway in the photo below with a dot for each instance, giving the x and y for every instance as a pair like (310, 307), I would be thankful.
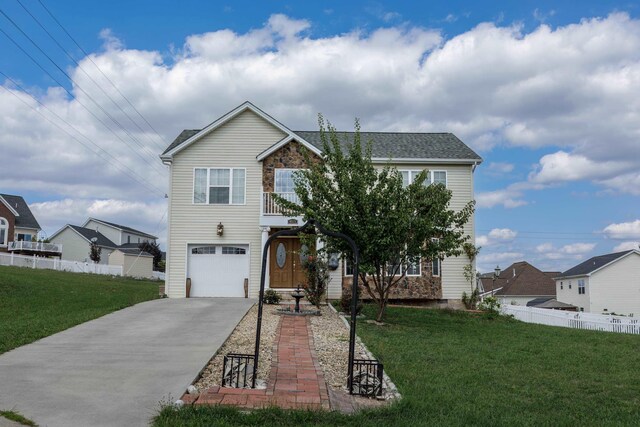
(295, 381)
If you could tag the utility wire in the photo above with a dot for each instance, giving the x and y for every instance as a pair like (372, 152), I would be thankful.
(101, 72)
(116, 162)
(87, 74)
(116, 122)
(146, 160)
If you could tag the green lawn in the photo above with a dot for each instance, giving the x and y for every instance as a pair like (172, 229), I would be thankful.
(455, 368)
(38, 303)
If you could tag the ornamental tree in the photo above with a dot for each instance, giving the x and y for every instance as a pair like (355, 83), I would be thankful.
(95, 251)
(392, 224)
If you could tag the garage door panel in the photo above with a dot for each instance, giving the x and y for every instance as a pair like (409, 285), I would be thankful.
(217, 270)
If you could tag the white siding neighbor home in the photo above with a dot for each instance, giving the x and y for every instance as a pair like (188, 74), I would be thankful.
(221, 210)
(604, 284)
(111, 238)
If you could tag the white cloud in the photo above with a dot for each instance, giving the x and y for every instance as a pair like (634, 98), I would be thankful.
(625, 246)
(508, 198)
(623, 230)
(573, 87)
(572, 251)
(562, 166)
(500, 167)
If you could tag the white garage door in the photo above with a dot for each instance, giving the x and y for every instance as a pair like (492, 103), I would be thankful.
(218, 270)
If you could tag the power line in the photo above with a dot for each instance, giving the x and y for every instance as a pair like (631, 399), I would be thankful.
(146, 160)
(124, 168)
(101, 72)
(87, 74)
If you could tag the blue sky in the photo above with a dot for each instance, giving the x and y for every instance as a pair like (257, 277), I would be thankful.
(543, 91)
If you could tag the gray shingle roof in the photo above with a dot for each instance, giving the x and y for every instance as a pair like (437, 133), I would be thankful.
(592, 264)
(184, 135)
(25, 218)
(403, 145)
(89, 234)
(399, 145)
(125, 228)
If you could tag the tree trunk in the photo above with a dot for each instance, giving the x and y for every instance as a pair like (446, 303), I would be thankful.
(382, 304)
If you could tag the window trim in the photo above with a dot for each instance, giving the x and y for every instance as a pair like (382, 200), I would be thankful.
(582, 287)
(5, 227)
(429, 179)
(275, 174)
(419, 274)
(439, 263)
(208, 186)
(446, 176)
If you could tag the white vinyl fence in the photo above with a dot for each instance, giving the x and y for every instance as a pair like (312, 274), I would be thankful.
(58, 264)
(158, 275)
(572, 319)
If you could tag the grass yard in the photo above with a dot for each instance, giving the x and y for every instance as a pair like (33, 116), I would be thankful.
(455, 368)
(38, 303)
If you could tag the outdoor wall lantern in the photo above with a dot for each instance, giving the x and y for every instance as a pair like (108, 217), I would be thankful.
(220, 230)
(333, 261)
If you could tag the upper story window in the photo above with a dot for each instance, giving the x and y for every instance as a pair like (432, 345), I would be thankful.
(4, 231)
(433, 177)
(24, 237)
(219, 186)
(581, 286)
(284, 182)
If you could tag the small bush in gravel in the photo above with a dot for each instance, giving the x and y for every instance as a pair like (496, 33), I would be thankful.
(317, 271)
(271, 297)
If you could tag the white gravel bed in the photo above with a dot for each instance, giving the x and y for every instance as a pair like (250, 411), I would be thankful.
(331, 340)
(242, 340)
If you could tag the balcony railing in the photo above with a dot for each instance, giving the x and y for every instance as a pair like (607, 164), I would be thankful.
(35, 247)
(269, 205)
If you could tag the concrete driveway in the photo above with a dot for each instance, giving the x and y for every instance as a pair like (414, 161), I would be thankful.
(114, 371)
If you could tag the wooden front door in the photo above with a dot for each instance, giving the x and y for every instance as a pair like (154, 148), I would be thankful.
(285, 269)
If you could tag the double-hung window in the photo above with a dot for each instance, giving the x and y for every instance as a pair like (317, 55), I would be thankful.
(581, 287)
(413, 266)
(435, 267)
(433, 177)
(219, 186)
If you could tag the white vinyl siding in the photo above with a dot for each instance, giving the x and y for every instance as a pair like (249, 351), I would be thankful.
(235, 144)
(616, 287)
(132, 265)
(76, 248)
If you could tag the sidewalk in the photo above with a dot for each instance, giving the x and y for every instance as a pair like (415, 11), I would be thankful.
(295, 381)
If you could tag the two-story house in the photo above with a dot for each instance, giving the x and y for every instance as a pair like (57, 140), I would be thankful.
(76, 240)
(19, 229)
(603, 284)
(221, 209)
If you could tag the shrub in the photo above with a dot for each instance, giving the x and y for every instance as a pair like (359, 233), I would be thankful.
(317, 271)
(491, 306)
(345, 302)
(471, 301)
(271, 297)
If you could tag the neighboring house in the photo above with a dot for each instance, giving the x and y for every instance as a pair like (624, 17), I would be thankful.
(110, 237)
(221, 209)
(19, 229)
(76, 243)
(604, 284)
(519, 284)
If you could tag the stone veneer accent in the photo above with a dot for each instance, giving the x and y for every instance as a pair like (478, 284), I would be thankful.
(424, 286)
(288, 156)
